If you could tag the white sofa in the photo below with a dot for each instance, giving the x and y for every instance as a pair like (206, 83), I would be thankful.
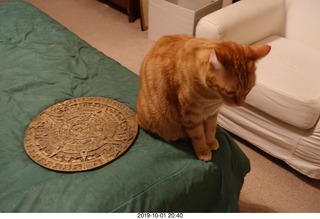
(281, 114)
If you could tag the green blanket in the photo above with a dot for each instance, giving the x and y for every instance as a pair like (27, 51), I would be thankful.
(43, 63)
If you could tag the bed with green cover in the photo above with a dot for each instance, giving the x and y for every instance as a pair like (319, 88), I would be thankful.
(42, 63)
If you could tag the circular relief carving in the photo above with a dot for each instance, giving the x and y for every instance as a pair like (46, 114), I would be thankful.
(80, 134)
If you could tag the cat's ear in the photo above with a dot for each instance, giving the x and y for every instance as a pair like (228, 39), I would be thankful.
(260, 51)
(222, 77)
(216, 60)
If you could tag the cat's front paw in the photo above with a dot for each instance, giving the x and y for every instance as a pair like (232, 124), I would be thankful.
(214, 145)
(205, 155)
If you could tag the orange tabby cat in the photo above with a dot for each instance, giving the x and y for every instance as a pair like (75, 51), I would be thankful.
(185, 80)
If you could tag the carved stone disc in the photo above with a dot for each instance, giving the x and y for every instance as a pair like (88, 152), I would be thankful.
(80, 134)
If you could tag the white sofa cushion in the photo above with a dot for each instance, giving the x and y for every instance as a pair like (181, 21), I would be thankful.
(302, 22)
(244, 22)
(288, 83)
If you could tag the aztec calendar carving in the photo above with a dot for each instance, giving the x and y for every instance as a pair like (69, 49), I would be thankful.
(80, 134)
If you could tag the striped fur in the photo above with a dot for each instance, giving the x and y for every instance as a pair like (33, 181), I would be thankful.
(185, 80)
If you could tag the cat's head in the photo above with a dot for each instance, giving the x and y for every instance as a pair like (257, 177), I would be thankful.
(233, 69)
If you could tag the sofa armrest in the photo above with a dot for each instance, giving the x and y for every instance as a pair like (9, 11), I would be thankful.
(245, 22)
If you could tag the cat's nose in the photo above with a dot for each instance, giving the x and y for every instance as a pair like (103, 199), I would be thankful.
(240, 101)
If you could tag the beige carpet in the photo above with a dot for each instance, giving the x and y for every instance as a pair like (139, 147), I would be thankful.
(271, 186)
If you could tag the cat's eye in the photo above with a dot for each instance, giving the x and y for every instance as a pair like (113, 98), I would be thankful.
(230, 93)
